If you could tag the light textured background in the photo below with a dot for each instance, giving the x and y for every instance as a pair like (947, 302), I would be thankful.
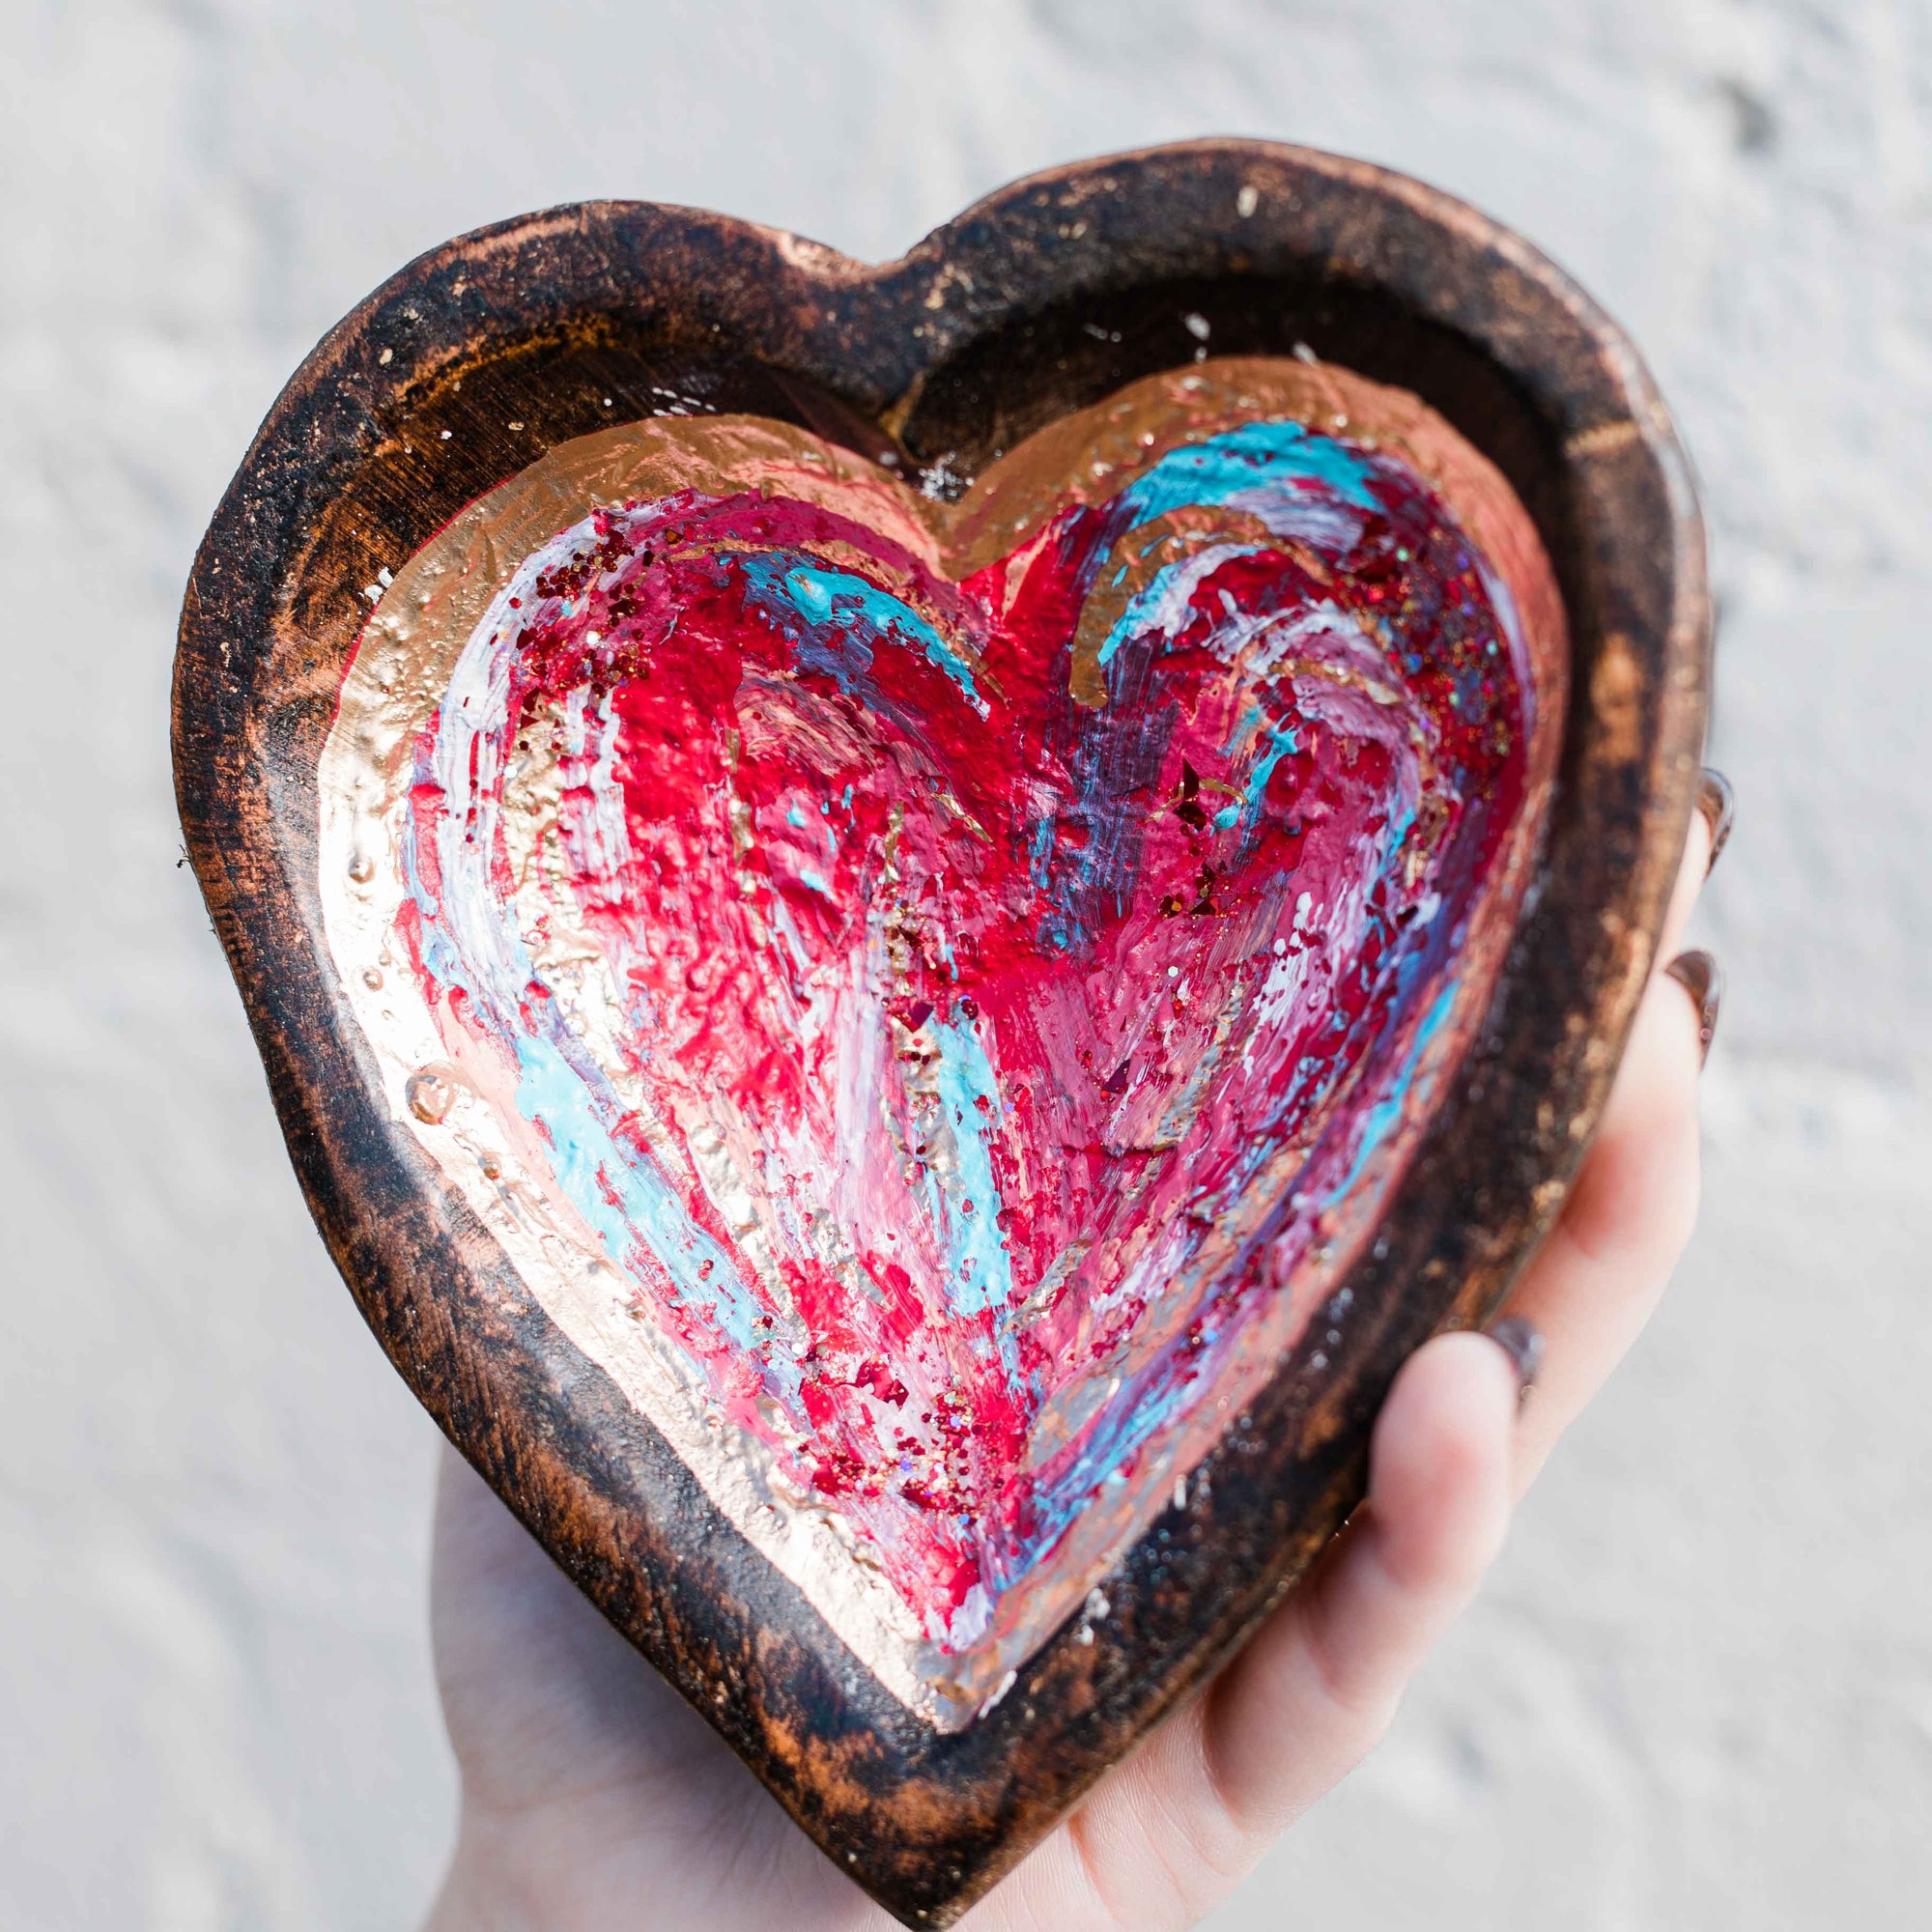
(1698, 1692)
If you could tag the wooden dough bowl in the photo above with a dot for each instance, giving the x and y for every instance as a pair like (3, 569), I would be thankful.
(1044, 300)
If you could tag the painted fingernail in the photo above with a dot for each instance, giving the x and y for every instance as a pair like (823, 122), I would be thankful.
(1718, 803)
(1523, 1343)
(1703, 978)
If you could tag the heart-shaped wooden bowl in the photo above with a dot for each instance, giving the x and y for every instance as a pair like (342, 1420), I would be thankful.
(1060, 292)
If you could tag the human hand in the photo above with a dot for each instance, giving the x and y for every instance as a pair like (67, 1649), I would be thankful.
(595, 1799)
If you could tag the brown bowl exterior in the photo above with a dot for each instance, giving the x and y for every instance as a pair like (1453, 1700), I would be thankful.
(1041, 300)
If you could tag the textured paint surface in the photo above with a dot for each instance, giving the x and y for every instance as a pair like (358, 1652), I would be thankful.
(970, 1017)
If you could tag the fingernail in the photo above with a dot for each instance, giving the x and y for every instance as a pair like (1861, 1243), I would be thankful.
(1523, 1343)
(1718, 803)
(1703, 978)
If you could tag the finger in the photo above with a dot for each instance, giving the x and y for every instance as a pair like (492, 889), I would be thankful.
(1319, 1684)
(1691, 872)
(1598, 1276)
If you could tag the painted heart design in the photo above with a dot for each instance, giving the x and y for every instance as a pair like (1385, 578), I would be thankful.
(930, 997)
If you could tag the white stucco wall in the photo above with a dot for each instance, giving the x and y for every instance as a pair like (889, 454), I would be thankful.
(1698, 1693)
